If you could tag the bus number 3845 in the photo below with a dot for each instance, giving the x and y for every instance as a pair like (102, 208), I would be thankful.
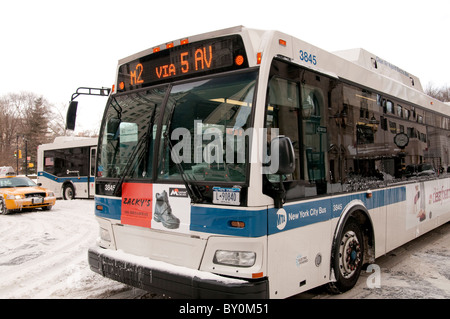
(304, 56)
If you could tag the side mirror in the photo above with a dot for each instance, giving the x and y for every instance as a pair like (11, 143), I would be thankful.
(71, 115)
(282, 151)
(282, 145)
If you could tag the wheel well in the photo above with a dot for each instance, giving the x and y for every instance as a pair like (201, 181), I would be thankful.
(66, 184)
(360, 216)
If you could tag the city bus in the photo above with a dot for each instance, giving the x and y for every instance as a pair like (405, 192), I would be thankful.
(67, 166)
(245, 163)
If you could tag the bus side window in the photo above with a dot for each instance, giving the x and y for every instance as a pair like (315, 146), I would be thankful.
(93, 158)
(282, 114)
(313, 134)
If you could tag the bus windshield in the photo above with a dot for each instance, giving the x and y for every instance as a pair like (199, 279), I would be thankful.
(128, 134)
(202, 133)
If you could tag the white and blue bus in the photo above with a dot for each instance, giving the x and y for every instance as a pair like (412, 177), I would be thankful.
(248, 163)
(67, 166)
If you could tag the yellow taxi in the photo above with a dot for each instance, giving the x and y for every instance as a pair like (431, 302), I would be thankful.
(20, 192)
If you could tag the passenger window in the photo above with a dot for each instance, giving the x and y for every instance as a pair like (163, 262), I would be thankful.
(296, 108)
(282, 114)
(313, 133)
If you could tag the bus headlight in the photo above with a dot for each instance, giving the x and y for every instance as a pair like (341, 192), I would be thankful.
(235, 258)
(104, 235)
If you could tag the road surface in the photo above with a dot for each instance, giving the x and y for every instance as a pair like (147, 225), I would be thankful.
(44, 255)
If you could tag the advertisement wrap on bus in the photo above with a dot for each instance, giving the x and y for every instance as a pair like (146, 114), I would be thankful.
(245, 163)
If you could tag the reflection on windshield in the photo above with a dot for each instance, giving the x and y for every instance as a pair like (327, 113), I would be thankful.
(16, 182)
(203, 124)
(128, 135)
(206, 121)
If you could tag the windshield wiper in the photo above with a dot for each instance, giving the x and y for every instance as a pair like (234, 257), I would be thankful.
(192, 189)
(137, 150)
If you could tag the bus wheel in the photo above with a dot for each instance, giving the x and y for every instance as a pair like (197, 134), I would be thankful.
(348, 258)
(68, 192)
(3, 209)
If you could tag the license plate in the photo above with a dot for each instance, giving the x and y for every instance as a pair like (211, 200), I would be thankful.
(227, 196)
(37, 200)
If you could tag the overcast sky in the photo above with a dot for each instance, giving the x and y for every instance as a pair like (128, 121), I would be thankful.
(53, 47)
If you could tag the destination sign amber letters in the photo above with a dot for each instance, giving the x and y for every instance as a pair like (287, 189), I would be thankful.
(202, 61)
(138, 79)
(189, 59)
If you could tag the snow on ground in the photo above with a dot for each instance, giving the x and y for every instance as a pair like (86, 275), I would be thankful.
(419, 269)
(43, 254)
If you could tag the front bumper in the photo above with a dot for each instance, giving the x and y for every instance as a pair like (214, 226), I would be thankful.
(173, 281)
(18, 204)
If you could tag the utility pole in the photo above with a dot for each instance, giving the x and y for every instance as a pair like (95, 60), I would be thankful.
(17, 154)
(26, 156)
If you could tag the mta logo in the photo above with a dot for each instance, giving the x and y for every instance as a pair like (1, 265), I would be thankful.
(281, 219)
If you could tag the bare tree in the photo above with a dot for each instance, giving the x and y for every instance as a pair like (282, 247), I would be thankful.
(57, 122)
(27, 120)
(10, 122)
(441, 94)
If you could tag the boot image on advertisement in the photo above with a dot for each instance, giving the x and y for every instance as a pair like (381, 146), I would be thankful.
(163, 212)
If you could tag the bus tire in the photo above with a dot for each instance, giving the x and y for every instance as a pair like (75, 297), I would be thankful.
(68, 192)
(348, 258)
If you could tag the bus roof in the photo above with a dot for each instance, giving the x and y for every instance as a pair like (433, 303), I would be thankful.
(69, 141)
(371, 61)
(194, 38)
(355, 65)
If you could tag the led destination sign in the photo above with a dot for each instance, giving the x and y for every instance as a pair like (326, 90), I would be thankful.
(185, 60)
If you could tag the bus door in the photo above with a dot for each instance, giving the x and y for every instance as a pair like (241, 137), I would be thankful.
(91, 179)
(296, 106)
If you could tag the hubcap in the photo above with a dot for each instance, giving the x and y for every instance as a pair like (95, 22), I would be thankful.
(349, 254)
(69, 193)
